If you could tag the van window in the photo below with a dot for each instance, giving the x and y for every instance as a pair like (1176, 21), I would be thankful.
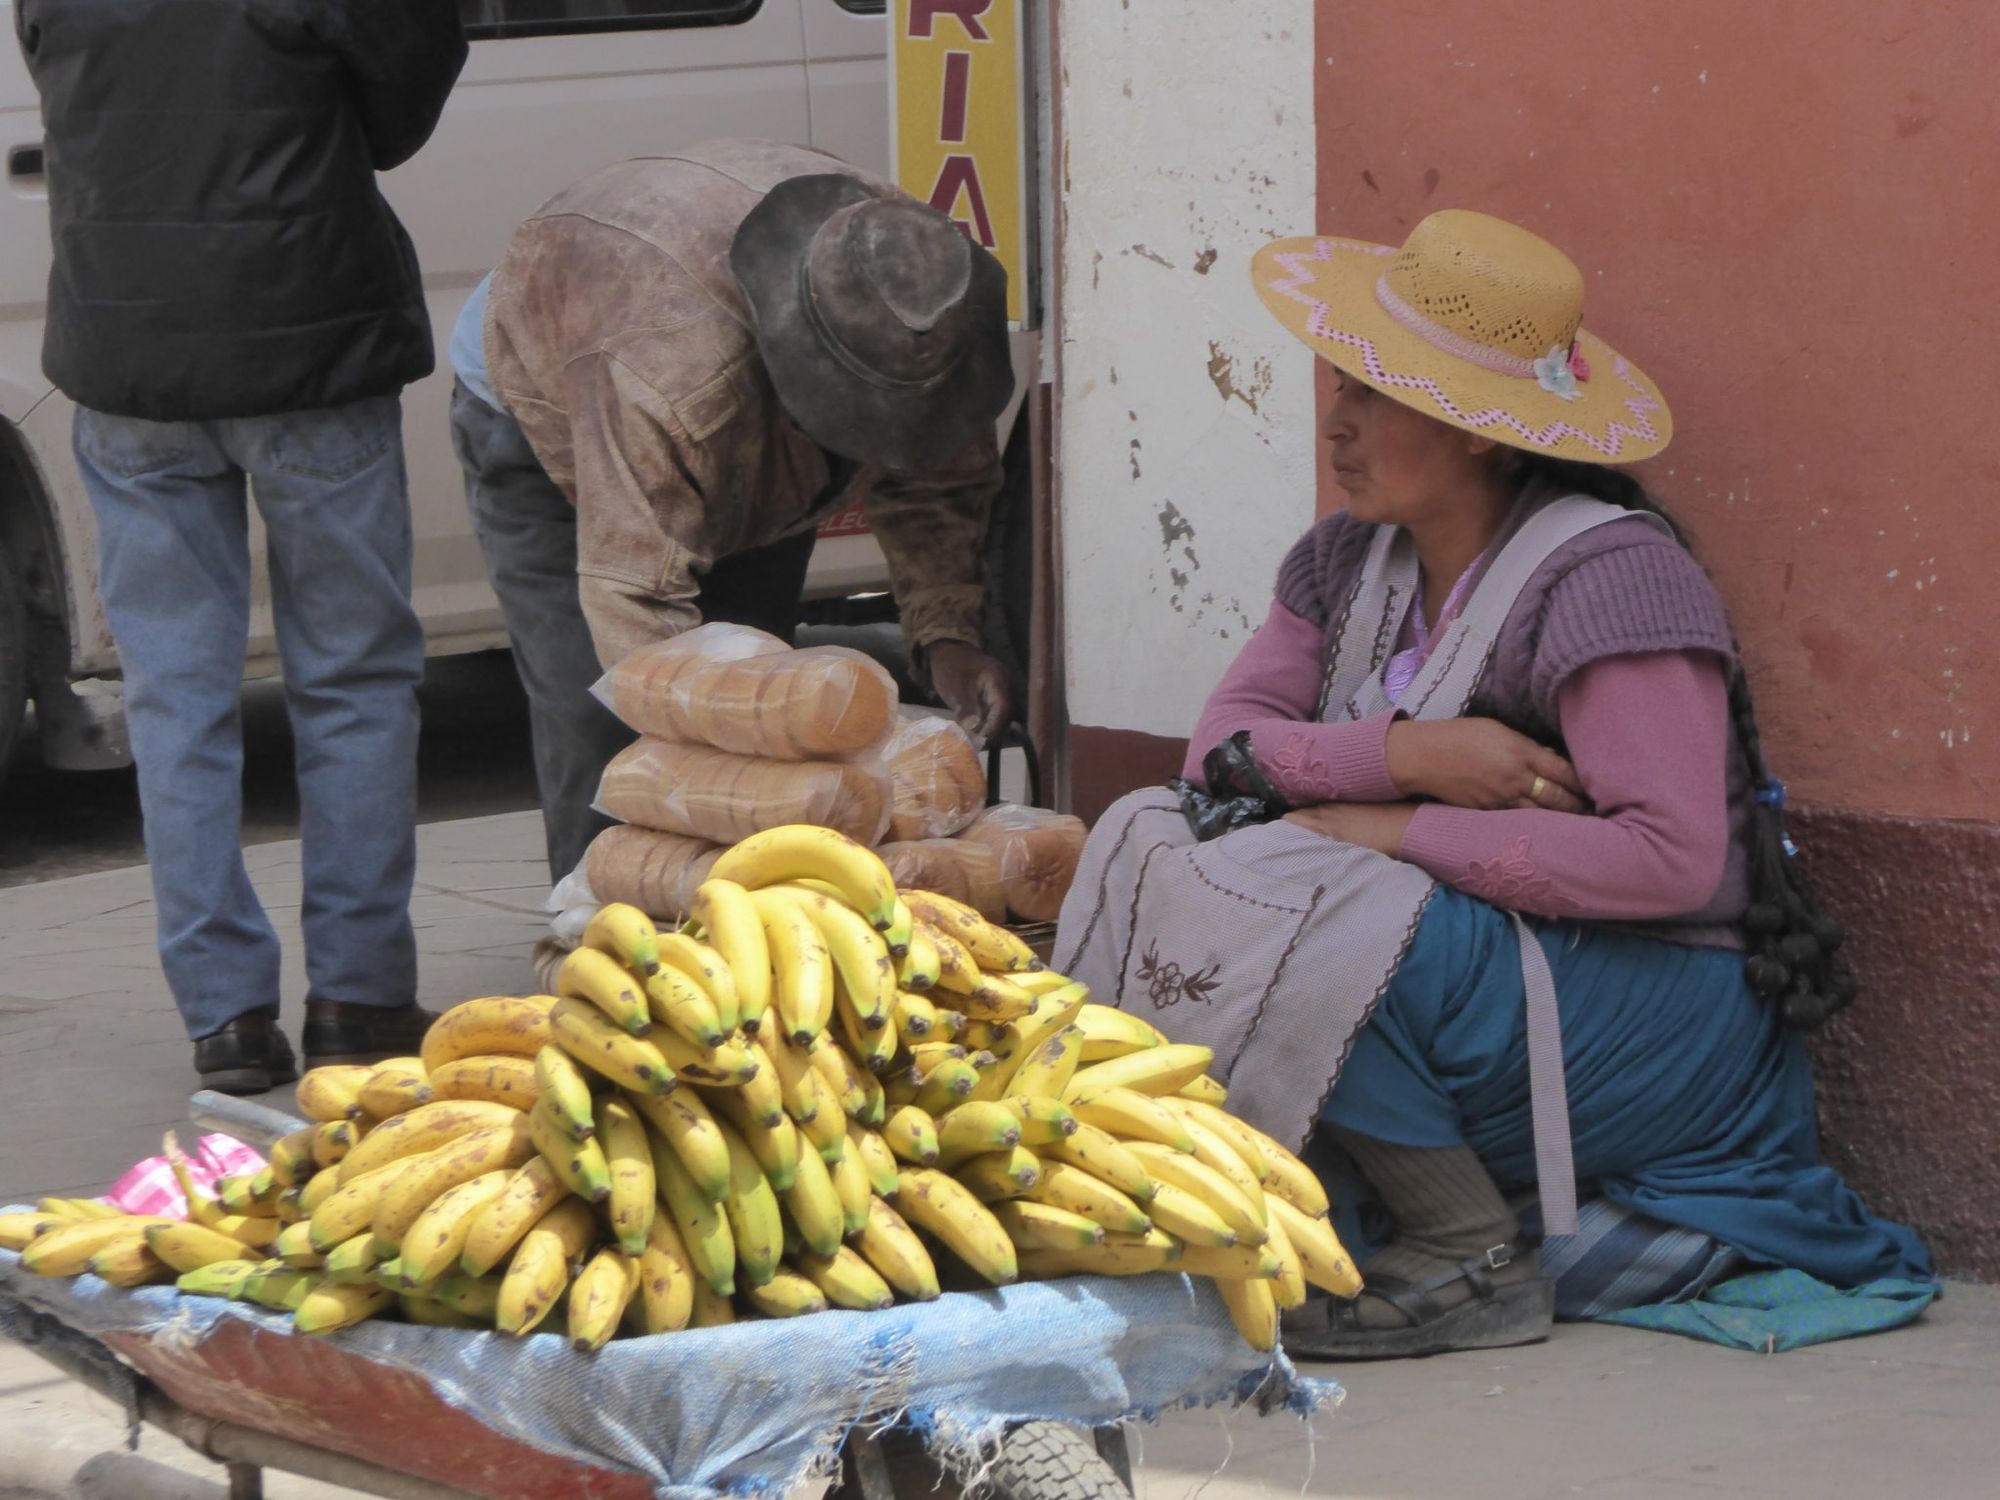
(486, 19)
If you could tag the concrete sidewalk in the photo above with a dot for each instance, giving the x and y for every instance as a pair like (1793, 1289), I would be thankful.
(93, 1066)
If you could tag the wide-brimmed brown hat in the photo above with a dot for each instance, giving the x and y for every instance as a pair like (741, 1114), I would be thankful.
(1476, 322)
(883, 327)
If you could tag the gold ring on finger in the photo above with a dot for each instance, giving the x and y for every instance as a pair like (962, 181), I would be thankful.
(1535, 791)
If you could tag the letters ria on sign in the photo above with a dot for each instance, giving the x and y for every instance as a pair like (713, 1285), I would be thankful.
(956, 76)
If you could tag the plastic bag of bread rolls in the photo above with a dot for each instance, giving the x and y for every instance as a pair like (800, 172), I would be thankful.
(742, 690)
(928, 865)
(656, 872)
(985, 892)
(1037, 850)
(937, 782)
(711, 794)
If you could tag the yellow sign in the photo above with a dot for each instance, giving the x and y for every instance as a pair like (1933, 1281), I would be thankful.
(957, 78)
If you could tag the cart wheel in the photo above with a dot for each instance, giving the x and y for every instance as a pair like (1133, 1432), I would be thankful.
(1049, 1461)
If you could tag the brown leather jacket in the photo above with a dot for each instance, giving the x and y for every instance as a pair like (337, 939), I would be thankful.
(618, 338)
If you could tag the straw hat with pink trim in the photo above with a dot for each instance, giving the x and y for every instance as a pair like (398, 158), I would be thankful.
(1475, 322)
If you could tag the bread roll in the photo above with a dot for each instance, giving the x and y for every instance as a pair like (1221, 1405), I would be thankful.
(711, 794)
(1037, 852)
(980, 866)
(741, 690)
(928, 865)
(937, 782)
(656, 872)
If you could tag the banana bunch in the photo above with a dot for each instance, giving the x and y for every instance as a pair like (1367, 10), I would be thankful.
(819, 1093)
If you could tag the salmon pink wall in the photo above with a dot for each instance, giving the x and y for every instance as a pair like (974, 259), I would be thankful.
(1788, 214)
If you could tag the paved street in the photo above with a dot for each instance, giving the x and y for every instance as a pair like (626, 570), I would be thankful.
(93, 1066)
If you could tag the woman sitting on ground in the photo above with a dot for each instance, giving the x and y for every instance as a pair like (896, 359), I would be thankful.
(1527, 830)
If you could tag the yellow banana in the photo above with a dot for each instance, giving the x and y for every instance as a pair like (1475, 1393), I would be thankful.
(334, 1305)
(76, 1209)
(939, 1206)
(875, 1156)
(1064, 1186)
(859, 953)
(254, 1231)
(280, 1289)
(1196, 1177)
(732, 926)
(802, 850)
(888, 1244)
(496, 1080)
(947, 1086)
(587, 1035)
(981, 995)
(999, 1175)
(512, 1024)
(913, 1135)
(396, 1087)
(1205, 1089)
(1289, 1286)
(1043, 1226)
(626, 934)
(711, 1309)
(428, 1312)
(680, 1004)
(813, 1205)
(752, 1211)
(249, 1193)
(971, 1129)
(1230, 1262)
(991, 946)
(666, 1280)
(1119, 1255)
(429, 1249)
(291, 1157)
(189, 1247)
(354, 1261)
(801, 967)
(219, 1278)
(921, 966)
(1212, 1150)
(476, 1297)
(1157, 1070)
(1109, 1033)
(1043, 1119)
(423, 1129)
(776, 1147)
(1254, 1310)
(579, 1165)
(762, 1096)
(731, 1062)
(128, 1263)
(1133, 1116)
(850, 1185)
(1323, 1259)
(1047, 1070)
(322, 1186)
(350, 1208)
(707, 967)
(1015, 1041)
(786, 1295)
(295, 1248)
(846, 1279)
(498, 1227)
(634, 1188)
(495, 1148)
(563, 1091)
(1256, 1150)
(687, 1128)
(1039, 982)
(66, 1249)
(1100, 1154)
(289, 1208)
(1194, 1220)
(607, 984)
(18, 1230)
(704, 1226)
(542, 1266)
(874, 1049)
(332, 1092)
(842, 1075)
(914, 1017)
(331, 1141)
(598, 1297)
(806, 1096)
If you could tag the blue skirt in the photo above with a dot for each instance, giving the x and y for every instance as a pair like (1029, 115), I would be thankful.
(1689, 1101)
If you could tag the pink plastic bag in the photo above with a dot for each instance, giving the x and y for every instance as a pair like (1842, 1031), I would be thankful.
(149, 1187)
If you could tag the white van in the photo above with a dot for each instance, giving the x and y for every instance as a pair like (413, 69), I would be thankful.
(553, 90)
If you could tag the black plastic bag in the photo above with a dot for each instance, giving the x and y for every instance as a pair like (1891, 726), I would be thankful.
(1238, 793)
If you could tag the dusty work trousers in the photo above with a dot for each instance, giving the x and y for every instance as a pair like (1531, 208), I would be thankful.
(527, 531)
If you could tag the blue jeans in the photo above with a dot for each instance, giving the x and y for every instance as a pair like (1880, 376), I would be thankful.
(174, 570)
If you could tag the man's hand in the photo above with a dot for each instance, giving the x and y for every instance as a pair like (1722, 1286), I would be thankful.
(1480, 764)
(974, 686)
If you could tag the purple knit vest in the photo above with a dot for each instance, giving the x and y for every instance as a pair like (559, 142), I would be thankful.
(1617, 590)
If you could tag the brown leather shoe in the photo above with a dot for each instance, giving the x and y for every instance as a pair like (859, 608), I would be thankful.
(248, 1056)
(337, 1032)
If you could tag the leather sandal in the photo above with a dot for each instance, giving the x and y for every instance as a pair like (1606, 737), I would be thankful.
(337, 1032)
(248, 1056)
(1496, 1316)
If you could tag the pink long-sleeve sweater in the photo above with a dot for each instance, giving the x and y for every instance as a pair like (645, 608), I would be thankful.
(1648, 734)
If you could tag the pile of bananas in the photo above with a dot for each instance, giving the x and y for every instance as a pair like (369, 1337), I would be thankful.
(820, 1093)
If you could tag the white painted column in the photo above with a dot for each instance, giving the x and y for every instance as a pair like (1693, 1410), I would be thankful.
(1186, 413)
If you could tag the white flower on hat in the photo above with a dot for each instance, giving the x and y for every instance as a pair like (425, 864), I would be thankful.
(1553, 373)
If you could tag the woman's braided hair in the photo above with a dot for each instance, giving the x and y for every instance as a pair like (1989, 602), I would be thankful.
(1790, 943)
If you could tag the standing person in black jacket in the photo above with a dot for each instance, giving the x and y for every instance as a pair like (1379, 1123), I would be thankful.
(233, 301)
